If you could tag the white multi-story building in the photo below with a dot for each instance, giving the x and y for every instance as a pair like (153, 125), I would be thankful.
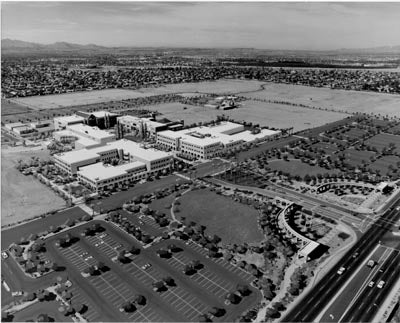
(122, 150)
(61, 123)
(208, 142)
(99, 176)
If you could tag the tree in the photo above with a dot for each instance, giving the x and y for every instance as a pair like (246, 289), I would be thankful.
(43, 318)
(217, 311)
(134, 250)
(140, 300)
(128, 307)
(163, 253)
(158, 286)
(168, 280)
(204, 318)
(243, 290)
(232, 298)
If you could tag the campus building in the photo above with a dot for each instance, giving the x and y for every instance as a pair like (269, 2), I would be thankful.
(100, 119)
(143, 127)
(30, 130)
(61, 123)
(123, 151)
(83, 136)
(100, 176)
(208, 142)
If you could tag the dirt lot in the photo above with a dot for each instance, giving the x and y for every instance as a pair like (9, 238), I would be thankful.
(338, 100)
(8, 107)
(226, 86)
(264, 114)
(79, 98)
(23, 197)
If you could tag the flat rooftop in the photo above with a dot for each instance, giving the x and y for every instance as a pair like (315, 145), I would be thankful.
(73, 118)
(90, 131)
(99, 171)
(75, 156)
(136, 150)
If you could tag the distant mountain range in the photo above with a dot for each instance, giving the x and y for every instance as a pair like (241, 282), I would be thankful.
(15, 47)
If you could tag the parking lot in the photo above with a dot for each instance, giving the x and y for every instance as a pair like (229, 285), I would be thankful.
(185, 300)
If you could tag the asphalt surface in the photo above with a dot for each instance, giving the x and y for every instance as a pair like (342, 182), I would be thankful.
(317, 298)
(18, 281)
(352, 291)
(370, 300)
(15, 234)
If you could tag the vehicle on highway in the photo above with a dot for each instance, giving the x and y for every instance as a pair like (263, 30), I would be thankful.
(4, 255)
(341, 270)
(371, 263)
(371, 284)
(355, 255)
(382, 269)
(146, 266)
(380, 284)
(17, 293)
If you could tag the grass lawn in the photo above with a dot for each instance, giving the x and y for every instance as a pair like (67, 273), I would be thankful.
(296, 167)
(49, 308)
(116, 200)
(356, 157)
(383, 163)
(160, 204)
(265, 146)
(232, 221)
(383, 140)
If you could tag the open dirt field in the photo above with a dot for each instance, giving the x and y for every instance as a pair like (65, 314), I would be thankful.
(223, 86)
(79, 98)
(23, 197)
(351, 101)
(8, 107)
(265, 114)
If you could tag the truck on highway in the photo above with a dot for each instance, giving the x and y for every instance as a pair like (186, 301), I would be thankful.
(371, 263)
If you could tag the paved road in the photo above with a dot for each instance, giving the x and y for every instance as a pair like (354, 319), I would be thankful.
(308, 202)
(352, 291)
(317, 298)
(15, 234)
(370, 300)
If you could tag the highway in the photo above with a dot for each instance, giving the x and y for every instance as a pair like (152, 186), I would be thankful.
(317, 298)
(370, 300)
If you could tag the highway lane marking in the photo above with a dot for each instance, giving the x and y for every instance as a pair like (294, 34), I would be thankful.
(367, 279)
(322, 313)
(372, 290)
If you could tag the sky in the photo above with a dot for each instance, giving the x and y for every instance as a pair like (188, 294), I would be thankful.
(264, 25)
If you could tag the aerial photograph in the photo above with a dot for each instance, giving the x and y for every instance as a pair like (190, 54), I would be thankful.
(200, 161)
